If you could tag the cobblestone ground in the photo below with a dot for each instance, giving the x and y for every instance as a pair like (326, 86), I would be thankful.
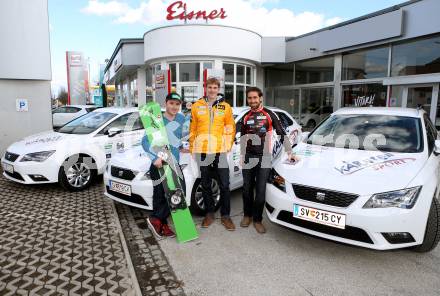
(54, 242)
(154, 274)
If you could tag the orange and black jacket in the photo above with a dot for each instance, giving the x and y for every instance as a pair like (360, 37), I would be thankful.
(212, 127)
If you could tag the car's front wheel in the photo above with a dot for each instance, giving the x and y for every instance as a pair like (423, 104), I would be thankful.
(77, 173)
(197, 206)
(432, 232)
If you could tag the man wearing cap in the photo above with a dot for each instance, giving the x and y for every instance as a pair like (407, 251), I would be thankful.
(174, 122)
(212, 132)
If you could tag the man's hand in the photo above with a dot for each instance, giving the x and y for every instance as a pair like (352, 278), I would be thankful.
(293, 158)
(158, 163)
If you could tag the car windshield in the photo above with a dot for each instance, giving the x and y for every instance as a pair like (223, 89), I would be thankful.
(87, 124)
(370, 132)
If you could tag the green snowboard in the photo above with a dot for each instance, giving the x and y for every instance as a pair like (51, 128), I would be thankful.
(151, 117)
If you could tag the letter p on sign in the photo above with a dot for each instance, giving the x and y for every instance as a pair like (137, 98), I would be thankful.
(22, 105)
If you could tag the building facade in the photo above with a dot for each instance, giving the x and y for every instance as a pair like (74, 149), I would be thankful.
(387, 58)
(25, 70)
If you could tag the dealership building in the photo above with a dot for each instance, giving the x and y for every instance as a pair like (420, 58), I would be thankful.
(388, 58)
(25, 70)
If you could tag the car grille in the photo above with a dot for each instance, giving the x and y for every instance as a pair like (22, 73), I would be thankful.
(134, 198)
(324, 196)
(15, 175)
(351, 233)
(11, 156)
(121, 173)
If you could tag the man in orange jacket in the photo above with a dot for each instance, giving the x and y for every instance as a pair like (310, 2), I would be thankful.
(212, 132)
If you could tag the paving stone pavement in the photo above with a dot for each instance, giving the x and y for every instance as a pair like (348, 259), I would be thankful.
(54, 242)
(154, 274)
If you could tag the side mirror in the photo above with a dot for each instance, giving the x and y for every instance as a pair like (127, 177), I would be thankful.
(437, 147)
(113, 131)
(304, 136)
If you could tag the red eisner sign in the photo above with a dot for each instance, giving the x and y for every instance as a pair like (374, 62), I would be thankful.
(177, 10)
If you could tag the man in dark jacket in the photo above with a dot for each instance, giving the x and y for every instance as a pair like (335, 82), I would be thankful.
(257, 137)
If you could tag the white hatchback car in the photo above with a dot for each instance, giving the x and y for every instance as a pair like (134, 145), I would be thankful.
(64, 114)
(77, 152)
(127, 177)
(367, 177)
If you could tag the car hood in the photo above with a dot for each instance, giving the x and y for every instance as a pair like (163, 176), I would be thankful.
(44, 141)
(350, 170)
(135, 159)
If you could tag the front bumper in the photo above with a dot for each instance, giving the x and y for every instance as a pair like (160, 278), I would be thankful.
(141, 191)
(364, 227)
(32, 172)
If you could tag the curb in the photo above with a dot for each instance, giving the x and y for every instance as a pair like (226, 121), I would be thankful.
(130, 266)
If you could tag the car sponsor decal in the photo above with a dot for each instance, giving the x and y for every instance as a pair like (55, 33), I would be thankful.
(310, 150)
(377, 162)
(221, 107)
(44, 140)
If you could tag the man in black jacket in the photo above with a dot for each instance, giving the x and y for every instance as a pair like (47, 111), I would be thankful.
(257, 137)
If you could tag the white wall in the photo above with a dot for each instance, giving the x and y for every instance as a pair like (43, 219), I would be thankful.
(16, 125)
(202, 40)
(24, 35)
(25, 70)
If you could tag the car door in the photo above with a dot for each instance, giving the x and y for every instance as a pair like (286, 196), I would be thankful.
(131, 134)
(235, 175)
(292, 129)
(57, 116)
(432, 135)
(70, 114)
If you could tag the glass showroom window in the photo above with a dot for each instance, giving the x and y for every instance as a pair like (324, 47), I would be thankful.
(189, 72)
(314, 71)
(279, 76)
(316, 105)
(364, 95)
(365, 64)
(237, 78)
(288, 100)
(416, 57)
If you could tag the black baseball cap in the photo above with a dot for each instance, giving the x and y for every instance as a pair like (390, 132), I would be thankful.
(173, 96)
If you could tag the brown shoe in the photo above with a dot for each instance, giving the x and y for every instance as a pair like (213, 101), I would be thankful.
(246, 221)
(260, 227)
(228, 224)
(209, 219)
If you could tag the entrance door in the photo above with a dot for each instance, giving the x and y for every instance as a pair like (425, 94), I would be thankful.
(417, 96)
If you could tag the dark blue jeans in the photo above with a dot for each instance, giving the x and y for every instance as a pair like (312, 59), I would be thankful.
(215, 166)
(161, 210)
(254, 179)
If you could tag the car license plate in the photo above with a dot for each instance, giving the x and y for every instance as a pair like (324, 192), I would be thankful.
(8, 168)
(319, 216)
(120, 188)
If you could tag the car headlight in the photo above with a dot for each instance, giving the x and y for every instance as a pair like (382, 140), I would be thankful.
(276, 180)
(37, 156)
(404, 199)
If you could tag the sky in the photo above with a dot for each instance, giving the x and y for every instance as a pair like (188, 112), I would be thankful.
(95, 26)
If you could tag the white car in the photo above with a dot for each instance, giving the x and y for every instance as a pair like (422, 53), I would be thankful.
(64, 114)
(367, 177)
(127, 177)
(76, 153)
(311, 119)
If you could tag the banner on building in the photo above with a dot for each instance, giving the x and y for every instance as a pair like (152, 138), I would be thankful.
(77, 78)
(162, 86)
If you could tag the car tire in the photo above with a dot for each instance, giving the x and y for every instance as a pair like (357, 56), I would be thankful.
(77, 173)
(197, 206)
(432, 232)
